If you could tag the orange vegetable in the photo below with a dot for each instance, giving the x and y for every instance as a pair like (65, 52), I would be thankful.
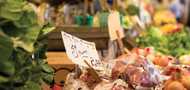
(161, 61)
(178, 81)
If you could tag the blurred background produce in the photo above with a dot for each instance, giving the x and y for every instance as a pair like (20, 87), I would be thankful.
(157, 41)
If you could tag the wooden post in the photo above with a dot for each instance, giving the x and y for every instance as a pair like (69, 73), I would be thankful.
(103, 4)
(93, 72)
(92, 7)
(186, 12)
(86, 3)
(115, 5)
(123, 50)
(120, 43)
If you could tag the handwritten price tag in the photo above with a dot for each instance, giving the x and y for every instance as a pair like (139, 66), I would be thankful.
(79, 50)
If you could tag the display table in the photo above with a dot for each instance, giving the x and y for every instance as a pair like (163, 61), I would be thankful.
(56, 55)
(61, 63)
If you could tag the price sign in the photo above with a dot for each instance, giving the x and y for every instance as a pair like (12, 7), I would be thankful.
(114, 25)
(79, 50)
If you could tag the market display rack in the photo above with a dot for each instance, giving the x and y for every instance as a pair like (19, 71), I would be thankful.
(97, 35)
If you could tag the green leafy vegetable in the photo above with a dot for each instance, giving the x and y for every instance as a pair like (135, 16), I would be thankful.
(175, 44)
(22, 53)
(132, 10)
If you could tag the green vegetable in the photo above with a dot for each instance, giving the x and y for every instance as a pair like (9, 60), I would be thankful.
(175, 44)
(132, 10)
(22, 47)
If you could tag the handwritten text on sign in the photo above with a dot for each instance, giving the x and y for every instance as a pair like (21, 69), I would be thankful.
(79, 50)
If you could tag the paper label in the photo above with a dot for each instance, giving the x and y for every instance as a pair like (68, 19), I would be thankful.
(108, 66)
(114, 25)
(79, 50)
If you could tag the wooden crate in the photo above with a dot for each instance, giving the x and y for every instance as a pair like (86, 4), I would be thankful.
(97, 35)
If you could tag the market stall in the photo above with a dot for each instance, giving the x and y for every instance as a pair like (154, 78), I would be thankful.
(153, 51)
(94, 45)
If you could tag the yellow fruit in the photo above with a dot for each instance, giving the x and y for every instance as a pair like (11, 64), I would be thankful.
(168, 28)
(164, 16)
(185, 60)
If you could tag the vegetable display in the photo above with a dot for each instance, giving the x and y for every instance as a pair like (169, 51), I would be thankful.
(179, 80)
(175, 44)
(22, 48)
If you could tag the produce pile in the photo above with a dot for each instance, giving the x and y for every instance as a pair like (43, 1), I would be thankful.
(22, 48)
(175, 44)
(166, 35)
(141, 69)
(161, 61)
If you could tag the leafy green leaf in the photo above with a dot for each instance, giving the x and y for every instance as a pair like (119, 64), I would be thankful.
(19, 33)
(6, 46)
(12, 9)
(30, 86)
(27, 40)
(28, 18)
(46, 68)
(3, 79)
(132, 10)
(7, 68)
(175, 44)
(48, 78)
(47, 30)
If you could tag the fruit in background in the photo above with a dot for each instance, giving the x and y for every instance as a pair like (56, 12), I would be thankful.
(185, 80)
(178, 81)
(175, 44)
(155, 32)
(164, 17)
(138, 51)
(145, 51)
(150, 8)
(185, 60)
(174, 85)
(162, 61)
(127, 22)
(168, 71)
(132, 10)
(56, 87)
(170, 28)
(149, 50)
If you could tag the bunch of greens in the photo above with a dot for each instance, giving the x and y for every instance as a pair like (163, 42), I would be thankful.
(132, 10)
(22, 48)
(175, 44)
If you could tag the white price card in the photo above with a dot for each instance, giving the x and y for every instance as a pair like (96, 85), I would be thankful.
(79, 50)
(114, 25)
